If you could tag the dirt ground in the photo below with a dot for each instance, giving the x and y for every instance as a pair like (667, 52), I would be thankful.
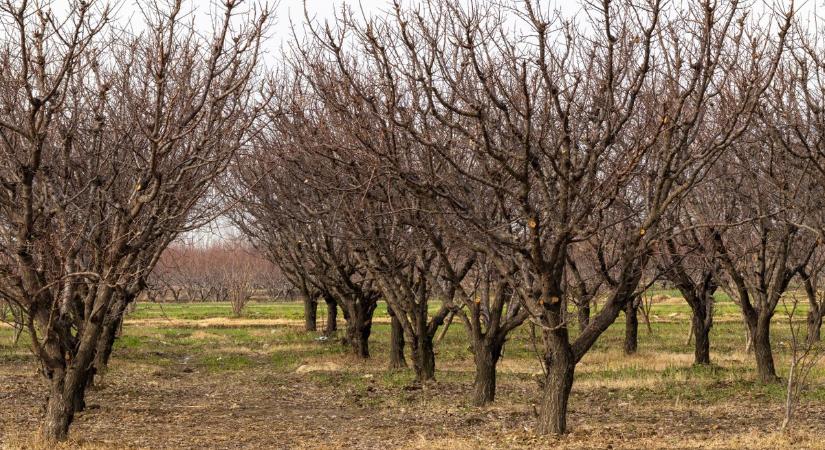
(182, 408)
(329, 400)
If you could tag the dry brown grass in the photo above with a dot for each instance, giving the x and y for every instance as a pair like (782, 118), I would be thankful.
(152, 399)
(32, 441)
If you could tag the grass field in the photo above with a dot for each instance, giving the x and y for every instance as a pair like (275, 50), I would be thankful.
(191, 376)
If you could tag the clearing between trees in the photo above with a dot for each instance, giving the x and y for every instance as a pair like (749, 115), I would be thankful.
(192, 376)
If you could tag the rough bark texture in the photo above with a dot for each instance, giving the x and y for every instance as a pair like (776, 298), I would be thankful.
(561, 366)
(358, 314)
(423, 357)
(487, 355)
(105, 346)
(814, 326)
(701, 331)
(762, 349)
(397, 360)
(358, 334)
(67, 386)
(310, 313)
(332, 317)
(631, 331)
(59, 410)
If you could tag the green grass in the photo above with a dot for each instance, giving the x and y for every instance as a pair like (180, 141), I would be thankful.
(281, 349)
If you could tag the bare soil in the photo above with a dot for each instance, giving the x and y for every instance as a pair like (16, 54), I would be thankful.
(182, 407)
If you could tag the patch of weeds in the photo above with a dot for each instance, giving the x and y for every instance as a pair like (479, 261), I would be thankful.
(285, 360)
(128, 342)
(176, 333)
(397, 379)
(237, 335)
(694, 372)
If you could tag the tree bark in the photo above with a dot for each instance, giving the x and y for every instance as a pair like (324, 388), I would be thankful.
(814, 326)
(60, 409)
(762, 349)
(701, 331)
(423, 357)
(68, 382)
(358, 314)
(397, 360)
(105, 346)
(358, 334)
(332, 317)
(815, 311)
(631, 331)
(561, 366)
(487, 355)
(310, 312)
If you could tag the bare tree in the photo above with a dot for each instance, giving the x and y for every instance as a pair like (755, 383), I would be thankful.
(688, 260)
(292, 220)
(767, 249)
(109, 144)
(561, 133)
(795, 118)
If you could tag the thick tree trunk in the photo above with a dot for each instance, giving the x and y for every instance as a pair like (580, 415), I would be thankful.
(60, 410)
(332, 317)
(106, 344)
(68, 384)
(397, 360)
(358, 334)
(487, 355)
(423, 357)
(358, 315)
(110, 330)
(561, 367)
(701, 330)
(631, 331)
(762, 350)
(310, 312)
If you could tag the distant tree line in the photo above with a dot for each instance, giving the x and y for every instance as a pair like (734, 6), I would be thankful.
(224, 271)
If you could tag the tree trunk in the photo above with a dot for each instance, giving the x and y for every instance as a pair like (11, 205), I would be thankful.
(67, 386)
(701, 330)
(358, 334)
(423, 357)
(762, 350)
(561, 367)
(358, 314)
(486, 357)
(397, 360)
(310, 312)
(59, 410)
(105, 346)
(332, 317)
(814, 325)
(631, 331)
